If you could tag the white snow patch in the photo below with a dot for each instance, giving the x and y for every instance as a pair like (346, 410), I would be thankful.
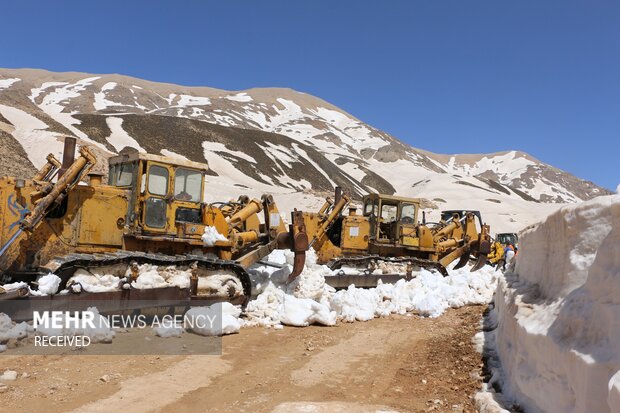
(52, 104)
(100, 102)
(220, 147)
(351, 131)
(211, 236)
(31, 134)
(187, 100)
(119, 138)
(170, 154)
(239, 97)
(6, 83)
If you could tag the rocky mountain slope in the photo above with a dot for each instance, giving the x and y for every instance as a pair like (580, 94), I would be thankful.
(273, 139)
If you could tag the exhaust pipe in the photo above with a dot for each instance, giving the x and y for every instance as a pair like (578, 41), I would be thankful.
(337, 195)
(68, 155)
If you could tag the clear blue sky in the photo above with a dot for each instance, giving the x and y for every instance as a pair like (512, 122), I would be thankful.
(446, 76)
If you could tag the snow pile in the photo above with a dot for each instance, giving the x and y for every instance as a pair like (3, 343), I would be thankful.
(149, 278)
(94, 283)
(175, 277)
(302, 312)
(558, 336)
(262, 275)
(308, 300)
(211, 236)
(168, 331)
(12, 331)
(216, 320)
(48, 285)
(100, 332)
(14, 286)
(275, 306)
(429, 294)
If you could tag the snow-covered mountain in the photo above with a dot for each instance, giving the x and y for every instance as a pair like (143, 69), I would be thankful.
(258, 140)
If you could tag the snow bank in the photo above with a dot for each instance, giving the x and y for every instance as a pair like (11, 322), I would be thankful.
(558, 335)
(211, 236)
(100, 333)
(308, 300)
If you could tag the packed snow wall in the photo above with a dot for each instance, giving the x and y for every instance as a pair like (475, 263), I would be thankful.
(558, 335)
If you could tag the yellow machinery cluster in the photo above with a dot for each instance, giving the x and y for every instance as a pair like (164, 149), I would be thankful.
(390, 230)
(150, 211)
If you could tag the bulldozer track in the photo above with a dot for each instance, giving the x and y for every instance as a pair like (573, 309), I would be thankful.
(364, 260)
(65, 266)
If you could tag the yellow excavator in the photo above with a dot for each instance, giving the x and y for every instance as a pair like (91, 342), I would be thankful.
(151, 211)
(389, 239)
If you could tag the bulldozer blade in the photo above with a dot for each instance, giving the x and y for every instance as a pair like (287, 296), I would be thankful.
(463, 261)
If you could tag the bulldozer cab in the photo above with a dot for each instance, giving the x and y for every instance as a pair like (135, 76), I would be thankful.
(507, 238)
(392, 219)
(164, 194)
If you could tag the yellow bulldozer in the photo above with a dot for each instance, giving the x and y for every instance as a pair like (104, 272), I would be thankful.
(389, 239)
(151, 211)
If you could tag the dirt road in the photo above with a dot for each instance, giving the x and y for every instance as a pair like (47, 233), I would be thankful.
(406, 364)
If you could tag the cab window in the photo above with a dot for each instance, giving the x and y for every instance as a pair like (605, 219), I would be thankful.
(407, 214)
(388, 213)
(187, 185)
(370, 208)
(112, 175)
(158, 180)
(122, 174)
